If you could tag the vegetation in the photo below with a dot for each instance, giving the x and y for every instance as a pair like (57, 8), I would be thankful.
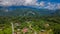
(30, 25)
(29, 21)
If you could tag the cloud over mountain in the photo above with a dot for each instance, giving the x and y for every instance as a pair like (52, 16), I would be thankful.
(17, 2)
(41, 4)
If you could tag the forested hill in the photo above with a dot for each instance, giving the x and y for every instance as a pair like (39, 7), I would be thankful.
(27, 11)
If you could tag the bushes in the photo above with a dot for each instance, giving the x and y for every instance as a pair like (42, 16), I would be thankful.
(33, 24)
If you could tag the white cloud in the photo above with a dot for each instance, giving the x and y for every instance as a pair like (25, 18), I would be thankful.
(30, 2)
(51, 6)
(54, 6)
(58, 5)
(42, 4)
(18, 2)
(5, 3)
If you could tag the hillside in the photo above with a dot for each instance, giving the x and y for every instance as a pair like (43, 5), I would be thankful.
(27, 11)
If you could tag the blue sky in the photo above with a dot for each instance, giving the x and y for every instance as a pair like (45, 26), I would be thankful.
(47, 4)
(56, 1)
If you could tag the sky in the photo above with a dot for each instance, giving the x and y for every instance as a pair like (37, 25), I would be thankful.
(46, 4)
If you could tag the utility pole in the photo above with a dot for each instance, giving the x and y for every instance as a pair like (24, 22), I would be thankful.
(12, 28)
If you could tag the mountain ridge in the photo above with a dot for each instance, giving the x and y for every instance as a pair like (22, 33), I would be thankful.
(20, 10)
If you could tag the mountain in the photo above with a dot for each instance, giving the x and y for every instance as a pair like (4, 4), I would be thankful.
(26, 11)
(57, 12)
(18, 12)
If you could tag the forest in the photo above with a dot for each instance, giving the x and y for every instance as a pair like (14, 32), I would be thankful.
(29, 21)
(30, 25)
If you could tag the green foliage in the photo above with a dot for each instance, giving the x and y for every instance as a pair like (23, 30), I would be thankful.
(32, 23)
